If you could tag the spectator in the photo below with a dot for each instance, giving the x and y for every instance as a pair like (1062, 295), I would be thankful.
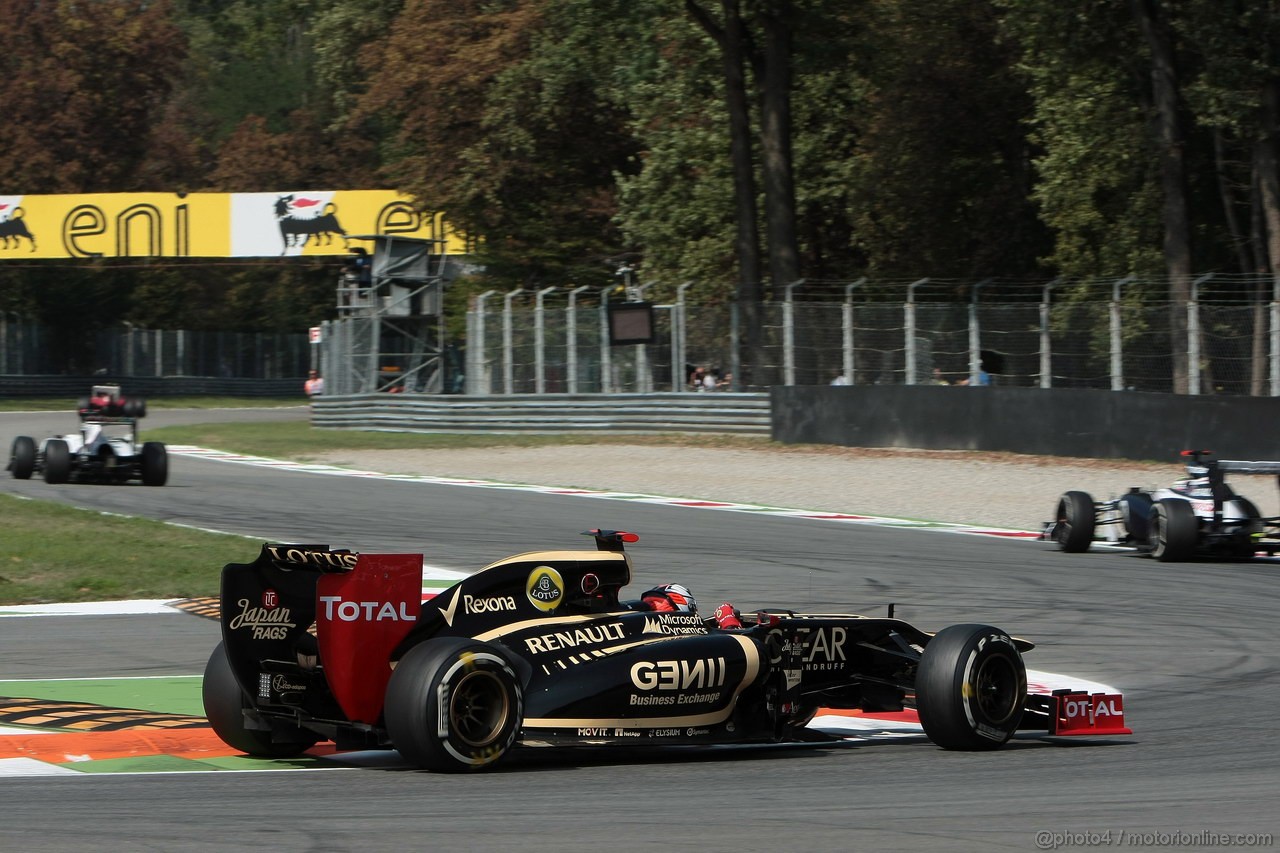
(359, 268)
(990, 365)
(711, 379)
(840, 379)
(696, 377)
(314, 385)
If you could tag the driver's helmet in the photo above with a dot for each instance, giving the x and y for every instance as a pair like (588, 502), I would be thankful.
(670, 598)
(1197, 487)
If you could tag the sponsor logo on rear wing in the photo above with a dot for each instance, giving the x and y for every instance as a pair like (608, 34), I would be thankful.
(1078, 713)
(317, 557)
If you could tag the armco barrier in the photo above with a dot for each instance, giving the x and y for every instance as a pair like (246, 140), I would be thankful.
(1057, 422)
(718, 412)
(149, 386)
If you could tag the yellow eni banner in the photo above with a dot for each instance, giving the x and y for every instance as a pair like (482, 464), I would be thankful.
(210, 225)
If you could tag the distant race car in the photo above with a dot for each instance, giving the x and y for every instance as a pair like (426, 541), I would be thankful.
(105, 449)
(1198, 516)
(537, 650)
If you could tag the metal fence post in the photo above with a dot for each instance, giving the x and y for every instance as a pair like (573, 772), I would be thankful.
(846, 331)
(508, 354)
(789, 335)
(478, 379)
(540, 341)
(1193, 336)
(1046, 340)
(680, 335)
(735, 346)
(1117, 353)
(324, 359)
(1274, 355)
(606, 361)
(909, 321)
(571, 337)
(975, 335)
(644, 378)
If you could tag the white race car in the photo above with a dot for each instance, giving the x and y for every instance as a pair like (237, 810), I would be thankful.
(104, 450)
(1198, 516)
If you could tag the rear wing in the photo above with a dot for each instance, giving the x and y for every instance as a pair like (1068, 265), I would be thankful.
(1216, 471)
(309, 613)
(1202, 463)
(1237, 466)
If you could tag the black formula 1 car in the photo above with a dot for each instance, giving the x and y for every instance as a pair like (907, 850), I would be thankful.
(538, 650)
(1198, 516)
(105, 449)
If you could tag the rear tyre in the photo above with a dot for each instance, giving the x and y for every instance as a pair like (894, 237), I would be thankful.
(1074, 522)
(57, 461)
(453, 704)
(971, 687)
(225, 704)
(1174, 530)
(155, 464)
(22, 457)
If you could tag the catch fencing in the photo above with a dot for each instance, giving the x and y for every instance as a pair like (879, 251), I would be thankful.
(30, 349)
(1095, 335)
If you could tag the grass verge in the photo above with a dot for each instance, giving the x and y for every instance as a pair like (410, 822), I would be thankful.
(51, 553)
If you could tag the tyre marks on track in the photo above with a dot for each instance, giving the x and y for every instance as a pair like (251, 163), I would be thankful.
(724, 506)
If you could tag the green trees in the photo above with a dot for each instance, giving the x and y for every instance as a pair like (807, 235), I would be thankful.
(87, 92)
(740, 145)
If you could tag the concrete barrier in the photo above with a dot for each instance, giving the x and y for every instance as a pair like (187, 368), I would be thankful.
(1057, 422)
(723, 413)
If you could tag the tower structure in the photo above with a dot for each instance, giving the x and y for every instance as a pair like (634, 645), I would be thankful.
(389, 335)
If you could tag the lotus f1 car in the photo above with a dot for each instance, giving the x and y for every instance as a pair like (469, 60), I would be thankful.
(105, 449)
(538, 650)
(1198, 516)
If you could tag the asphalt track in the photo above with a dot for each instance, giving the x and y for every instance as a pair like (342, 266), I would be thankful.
(1194, 647)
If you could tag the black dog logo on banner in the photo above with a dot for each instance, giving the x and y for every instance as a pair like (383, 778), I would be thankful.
(13, 229)
(296, 230)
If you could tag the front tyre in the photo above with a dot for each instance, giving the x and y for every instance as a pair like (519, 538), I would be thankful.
(1074, 522)
(225, 704)
(22, 457)
(971, 687)
(1174, 530)
(453, 704)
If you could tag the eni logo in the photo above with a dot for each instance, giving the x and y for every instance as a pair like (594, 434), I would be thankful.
(545, 588)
